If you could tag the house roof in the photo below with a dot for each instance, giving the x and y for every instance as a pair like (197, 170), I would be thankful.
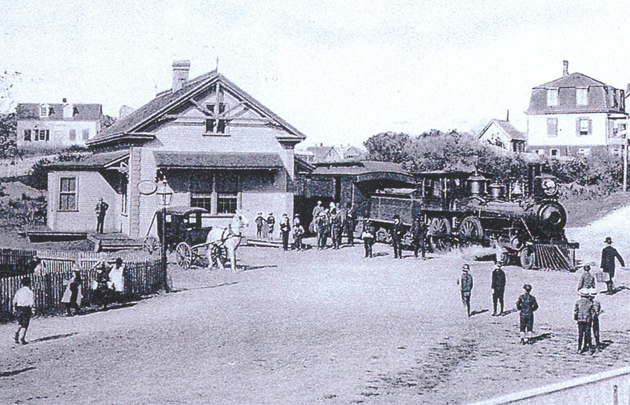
(210, 160)
(575, 79)
(507, 128)
(167, 100)
(82, 112)
(357, 167)
(320, 152)
(93, 162)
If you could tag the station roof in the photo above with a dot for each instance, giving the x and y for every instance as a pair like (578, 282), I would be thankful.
(211, 160)
(92, 162)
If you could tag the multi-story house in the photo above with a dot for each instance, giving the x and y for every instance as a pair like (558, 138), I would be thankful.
(502, 135)
(57, 125)
(574, 115)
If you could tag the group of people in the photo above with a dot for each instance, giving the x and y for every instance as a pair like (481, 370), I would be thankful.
(333, 222)
(108, 287)
(265, 225)
(586, 311)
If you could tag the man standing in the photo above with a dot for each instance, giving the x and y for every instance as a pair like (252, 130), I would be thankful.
(586, 280)
(419, 234)
(597, 309)
(271, 222)
(285, 228)
(101, 210)
(321, 229)
(582, 313)
(466, 285)
(609, 254)
(350, 223)
(369, 233)
(317, 211)
(336, 226)
(498, 288)
(527, 305)
(397, 231)
(260, 222)
(24, 303)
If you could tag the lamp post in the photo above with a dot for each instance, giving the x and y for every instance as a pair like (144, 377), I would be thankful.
(164, 194)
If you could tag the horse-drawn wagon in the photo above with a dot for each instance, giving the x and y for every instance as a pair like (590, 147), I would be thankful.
(187, 234)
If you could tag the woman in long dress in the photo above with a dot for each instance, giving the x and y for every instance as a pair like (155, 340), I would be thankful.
(72, 296)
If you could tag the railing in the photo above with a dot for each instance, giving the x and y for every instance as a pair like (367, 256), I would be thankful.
(143, 276)
(610, 387)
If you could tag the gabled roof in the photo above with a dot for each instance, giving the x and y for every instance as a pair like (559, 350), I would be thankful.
(573, 80)
(167, 100)
(211, 160)
(320, 152)
(82, 112)
(507, 128)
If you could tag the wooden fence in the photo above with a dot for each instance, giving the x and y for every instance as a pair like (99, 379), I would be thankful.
(143, 276)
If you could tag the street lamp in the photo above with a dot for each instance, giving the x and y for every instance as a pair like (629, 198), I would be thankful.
(164, 194)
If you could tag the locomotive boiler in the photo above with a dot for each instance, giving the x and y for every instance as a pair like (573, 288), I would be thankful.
(522, 220)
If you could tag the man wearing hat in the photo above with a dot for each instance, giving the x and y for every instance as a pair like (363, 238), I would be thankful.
(527, 305)
(582, 313)
(595, 311)
(397, 232)
(466, 284)
(498, 288)
(586, 280)
(609, 254)
(418, 235)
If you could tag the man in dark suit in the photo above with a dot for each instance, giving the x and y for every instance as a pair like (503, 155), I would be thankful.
(609, 254)
(418, 234)
(498, 288)
(397, 232)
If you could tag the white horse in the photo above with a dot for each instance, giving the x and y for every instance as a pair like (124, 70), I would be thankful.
(228, 238)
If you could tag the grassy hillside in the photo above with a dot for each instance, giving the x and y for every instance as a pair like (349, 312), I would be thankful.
(582, 211)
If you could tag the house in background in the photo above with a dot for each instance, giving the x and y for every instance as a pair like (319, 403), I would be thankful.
(575, 115)
(330, 154)
(57, 125)
(502, 134)
(218, 148)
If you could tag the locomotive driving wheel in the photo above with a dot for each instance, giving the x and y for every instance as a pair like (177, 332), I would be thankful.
(527, 257)
(471, 231)
(184, 255)
(440, 230)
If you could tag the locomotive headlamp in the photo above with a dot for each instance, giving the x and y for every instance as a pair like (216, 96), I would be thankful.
(549, 187)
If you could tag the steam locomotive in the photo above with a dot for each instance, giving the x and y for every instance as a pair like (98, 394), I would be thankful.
(523, 220)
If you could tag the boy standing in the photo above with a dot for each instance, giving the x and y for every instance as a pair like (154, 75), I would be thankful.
(466, 284)
(498, 288)
(24, 304)
(527, 305)
(597, 309)
(271, 222)
(583, 315)
(260, 222)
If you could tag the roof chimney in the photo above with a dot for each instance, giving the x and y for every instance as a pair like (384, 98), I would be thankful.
(180, 73)
(565, 70)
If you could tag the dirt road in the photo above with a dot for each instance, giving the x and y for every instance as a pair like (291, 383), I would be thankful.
(312, 327)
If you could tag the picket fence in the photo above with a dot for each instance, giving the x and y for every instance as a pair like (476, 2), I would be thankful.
(143, 276)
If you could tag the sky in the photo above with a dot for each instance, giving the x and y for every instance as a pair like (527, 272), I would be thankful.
(339, 71)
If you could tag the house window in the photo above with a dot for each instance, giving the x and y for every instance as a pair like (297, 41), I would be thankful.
(72, 135)
(584, 151)
(201, 200)
(583, 126)
(68, 194)
(581, 96)
(552, 127)
(227, 193)
(41, 135)
(86, 134)
(27, 135)
(552, 97)
(214, 125)
(540, 151)
(554, 152)
(617, 151)
(43, 111)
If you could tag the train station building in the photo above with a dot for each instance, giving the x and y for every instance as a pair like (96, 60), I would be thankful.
(216, 145)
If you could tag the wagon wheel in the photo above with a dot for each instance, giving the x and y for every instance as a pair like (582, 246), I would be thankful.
(527, 257)
(471, 231)
(218, 252)
(440, 229)
(151, 244)
(383, 236)
(184, 255)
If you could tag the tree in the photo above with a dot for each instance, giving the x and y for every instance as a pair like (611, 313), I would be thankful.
(389, 147)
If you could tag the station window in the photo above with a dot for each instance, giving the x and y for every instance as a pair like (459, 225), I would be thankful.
(227, 193)
(201, 200)
(215, 125)
(67, 194)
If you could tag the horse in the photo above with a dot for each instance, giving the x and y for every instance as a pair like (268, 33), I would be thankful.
(228, 238)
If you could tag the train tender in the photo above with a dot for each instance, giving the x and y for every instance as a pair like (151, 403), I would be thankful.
(523, 220)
